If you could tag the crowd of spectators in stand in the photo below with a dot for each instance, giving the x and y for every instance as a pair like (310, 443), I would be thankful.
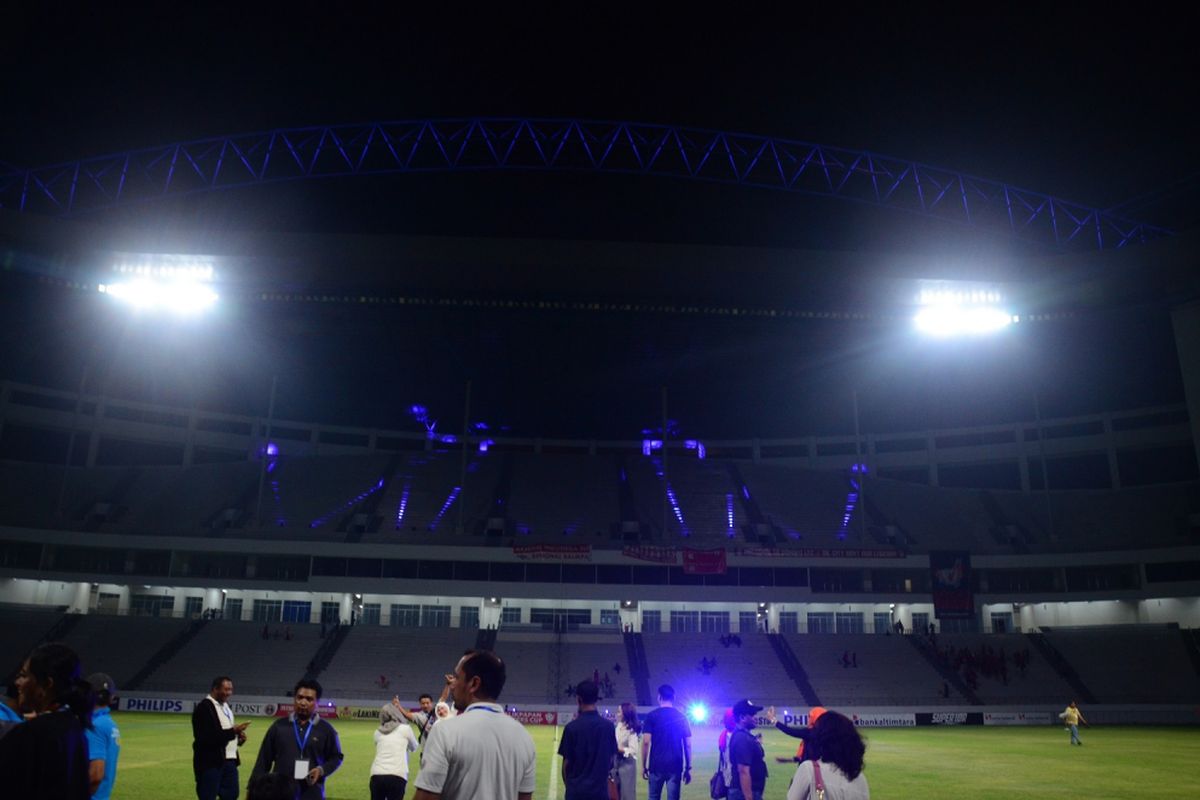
(277, 633)
(987, 662)
(731, 640)
(604, 684)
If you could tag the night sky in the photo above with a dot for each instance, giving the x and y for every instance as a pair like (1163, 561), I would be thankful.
(1091, 106)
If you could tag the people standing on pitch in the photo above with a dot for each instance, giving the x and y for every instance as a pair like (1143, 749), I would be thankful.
(46, 758)
(427, 716)
(588, 748)
(393, 742)
(1073, 716)
(482, 754)
(301, 745)
(104, 739)
(215, 741)
(835, 764)
(666, 747)
(747, 760)
(801, 732)
(629, 731)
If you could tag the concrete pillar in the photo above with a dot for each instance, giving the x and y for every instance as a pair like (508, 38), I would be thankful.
(346, 607)
(1186, 321)
(83, 597)
(214, 600)
(1114, 473)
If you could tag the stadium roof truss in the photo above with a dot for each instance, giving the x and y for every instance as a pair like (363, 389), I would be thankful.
(285, 154)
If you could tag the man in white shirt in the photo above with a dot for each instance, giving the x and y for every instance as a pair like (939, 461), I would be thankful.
(215, 741)
(482, 754)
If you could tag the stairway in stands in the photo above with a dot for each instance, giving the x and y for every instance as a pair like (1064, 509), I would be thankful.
(948, 674)
(793, 667)
(639, 669)
(486, 639)
(1061, 666)
(326, 652)
(1191, 642)
(165, 653)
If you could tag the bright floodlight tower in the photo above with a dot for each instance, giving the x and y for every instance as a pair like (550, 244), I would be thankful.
(949, 309)
(178, 284)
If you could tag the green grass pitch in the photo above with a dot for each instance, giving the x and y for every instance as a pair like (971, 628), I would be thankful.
(950, 762)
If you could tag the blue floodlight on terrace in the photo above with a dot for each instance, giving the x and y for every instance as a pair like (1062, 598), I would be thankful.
(697, 712)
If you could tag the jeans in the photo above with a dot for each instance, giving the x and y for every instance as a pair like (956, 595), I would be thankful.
(669, 779)
(1075, 734)
(735, 792)
(219, 782)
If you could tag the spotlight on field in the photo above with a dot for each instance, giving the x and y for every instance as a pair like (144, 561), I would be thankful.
(175, 284)
(697, 712)
(956, 308)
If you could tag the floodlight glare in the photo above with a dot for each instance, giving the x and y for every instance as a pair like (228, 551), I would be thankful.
(698, 712)
(176, 296)
(953, 320)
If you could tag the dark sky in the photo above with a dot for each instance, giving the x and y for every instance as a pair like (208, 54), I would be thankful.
(1074, 101)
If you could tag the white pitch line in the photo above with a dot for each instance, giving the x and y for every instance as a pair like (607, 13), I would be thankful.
(553, 790)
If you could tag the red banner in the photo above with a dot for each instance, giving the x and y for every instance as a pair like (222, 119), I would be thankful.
(535, 717)
(566, 552)
(703, 562)
(819, 552)
(324, 710)
(645, 552)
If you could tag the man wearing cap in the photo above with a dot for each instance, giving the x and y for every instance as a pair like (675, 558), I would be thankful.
(746, 755)
(103, 740)
(215, 742)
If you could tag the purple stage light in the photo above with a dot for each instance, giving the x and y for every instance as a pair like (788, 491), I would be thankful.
(729, 513)
(445, 507)
(403, 506)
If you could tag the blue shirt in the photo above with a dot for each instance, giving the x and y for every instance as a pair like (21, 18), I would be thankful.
(104, 744)
(9, 715)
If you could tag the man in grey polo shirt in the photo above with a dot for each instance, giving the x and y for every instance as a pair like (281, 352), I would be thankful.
(482, 754)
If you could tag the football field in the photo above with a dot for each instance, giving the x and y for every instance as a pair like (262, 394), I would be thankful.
(934, 762)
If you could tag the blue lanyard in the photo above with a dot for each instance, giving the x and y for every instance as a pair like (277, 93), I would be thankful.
(307, 733)
(227, 712)
(483, 708)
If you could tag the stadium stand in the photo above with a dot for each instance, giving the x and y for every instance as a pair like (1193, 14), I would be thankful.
(258, 666)
(410, 661)
(675, 658)
(564, 494)
(889, 671)
(121, 646)
(21, 629)
(805, 505)
(1036, 682)
(1130, 663)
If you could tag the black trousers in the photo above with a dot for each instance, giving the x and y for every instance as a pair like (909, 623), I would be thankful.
(387, 787)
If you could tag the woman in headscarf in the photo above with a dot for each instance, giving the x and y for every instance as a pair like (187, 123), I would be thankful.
(394, 740)
(46, 758)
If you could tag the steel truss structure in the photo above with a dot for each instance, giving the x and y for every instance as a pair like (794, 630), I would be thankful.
(225, 162)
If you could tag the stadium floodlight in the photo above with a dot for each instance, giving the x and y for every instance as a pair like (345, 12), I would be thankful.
(179, 284)
(176, 296)
(955, 308)
(698, 712)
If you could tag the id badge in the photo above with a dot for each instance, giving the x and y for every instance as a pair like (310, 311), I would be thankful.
(301, 771)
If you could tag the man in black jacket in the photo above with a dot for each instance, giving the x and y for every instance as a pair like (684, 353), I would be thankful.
(215, 740)
(302, 745)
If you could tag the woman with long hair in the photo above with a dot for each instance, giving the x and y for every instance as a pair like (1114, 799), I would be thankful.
(629, 728)
(836, 762)
(46, 758)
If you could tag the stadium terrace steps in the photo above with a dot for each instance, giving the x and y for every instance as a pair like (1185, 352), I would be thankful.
(1063, 667)
(952, 677)
(121, 646)
(23, 628)
(635, 655)
(752, 669)
(793, 668)
(1039, 683)
(542, 502)
(260, 666)
(806, 505)
(1114, 661)
(410, 661)
(889, 671)
(165, 653)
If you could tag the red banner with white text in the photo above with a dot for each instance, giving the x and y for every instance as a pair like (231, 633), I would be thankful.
(704, 562)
